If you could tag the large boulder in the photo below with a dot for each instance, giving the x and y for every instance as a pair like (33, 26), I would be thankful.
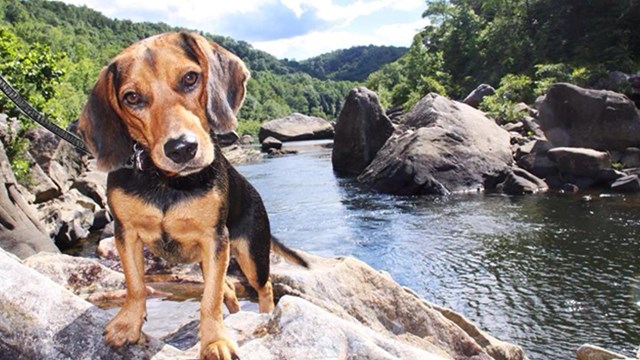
(598, 119)
(43, 320)
(296, 127)
(474, 99)
(21, 232)
(353, 291)
(361, 130)
(580, 161)
(68, 218)
(452, 147)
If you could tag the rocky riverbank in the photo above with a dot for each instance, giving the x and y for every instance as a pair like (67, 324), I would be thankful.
(575, 139)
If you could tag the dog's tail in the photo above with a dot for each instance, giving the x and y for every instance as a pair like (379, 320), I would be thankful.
(288, 254)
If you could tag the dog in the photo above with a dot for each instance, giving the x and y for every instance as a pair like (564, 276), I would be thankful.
(150, 121)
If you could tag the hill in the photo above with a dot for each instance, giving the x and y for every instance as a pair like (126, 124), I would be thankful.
(353, 64)
(52, 52)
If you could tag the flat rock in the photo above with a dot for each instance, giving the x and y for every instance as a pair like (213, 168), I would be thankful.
(629, 184)
(271, 143)
(43, 320)
(451, 148)
(592, 352)
(596, 119)
(296, 127)
(579, 162)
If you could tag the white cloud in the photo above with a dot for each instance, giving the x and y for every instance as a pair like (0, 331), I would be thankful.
(316, 43)
(340, 28)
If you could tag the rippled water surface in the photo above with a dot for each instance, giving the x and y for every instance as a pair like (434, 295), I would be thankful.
(548, 272)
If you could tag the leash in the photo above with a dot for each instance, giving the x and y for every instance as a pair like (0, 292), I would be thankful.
(33, 114)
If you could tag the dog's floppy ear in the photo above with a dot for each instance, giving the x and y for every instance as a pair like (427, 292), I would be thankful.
(101, 127)
(226, 81)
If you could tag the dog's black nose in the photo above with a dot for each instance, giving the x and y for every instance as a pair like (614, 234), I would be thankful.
(182, 149)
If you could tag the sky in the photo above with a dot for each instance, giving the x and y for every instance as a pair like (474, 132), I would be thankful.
(293, 29)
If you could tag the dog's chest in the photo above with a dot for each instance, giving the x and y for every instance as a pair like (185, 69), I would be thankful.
(174, 233)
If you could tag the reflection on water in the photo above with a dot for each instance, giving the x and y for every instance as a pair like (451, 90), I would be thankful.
(547, 272)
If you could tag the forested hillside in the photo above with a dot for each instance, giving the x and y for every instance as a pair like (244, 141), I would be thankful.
(519, 45)
(353, 64)
(53, 52)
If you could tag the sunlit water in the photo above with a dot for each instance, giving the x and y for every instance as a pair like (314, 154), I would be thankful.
(548, 272)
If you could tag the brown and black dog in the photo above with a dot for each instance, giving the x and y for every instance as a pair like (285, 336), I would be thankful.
(150, 121)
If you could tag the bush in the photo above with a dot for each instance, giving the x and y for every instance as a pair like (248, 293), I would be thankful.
(513, 89)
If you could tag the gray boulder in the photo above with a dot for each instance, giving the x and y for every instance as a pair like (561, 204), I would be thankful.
(296, 127)
(476, 96)
(271, 143)
(361, 130)
(43, 320)
(68, 218)
(596, 119)
(580, 162)
(237, 154)
(628, 184)
(451, 149)
(21, 232)
(93, 184)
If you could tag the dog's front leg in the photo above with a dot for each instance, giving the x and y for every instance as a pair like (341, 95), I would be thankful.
(126, 326)
(215, 343)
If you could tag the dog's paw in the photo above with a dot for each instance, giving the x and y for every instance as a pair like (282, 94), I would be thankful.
(220, 350)
(124, 329)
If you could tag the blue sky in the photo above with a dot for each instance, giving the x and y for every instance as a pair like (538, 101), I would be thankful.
(294, 29)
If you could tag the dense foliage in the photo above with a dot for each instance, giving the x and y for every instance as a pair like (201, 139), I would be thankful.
(353, 64)
(52, 52)
(503, 41)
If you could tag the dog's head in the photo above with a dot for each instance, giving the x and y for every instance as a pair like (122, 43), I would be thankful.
(166, 93)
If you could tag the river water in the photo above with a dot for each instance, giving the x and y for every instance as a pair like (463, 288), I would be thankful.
(548, 272)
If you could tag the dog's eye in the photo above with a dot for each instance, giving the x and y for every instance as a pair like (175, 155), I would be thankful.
(132, 98)
(190, 79)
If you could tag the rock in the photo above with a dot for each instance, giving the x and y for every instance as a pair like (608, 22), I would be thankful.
(628, 184)
(450, 151)
(58, 174)
(361, 130)
(533, 158)
(353, 291)
(43, 320)
(228, 139)
(280, 152)
(597, 119)
(570, 188)
(592, 352)
(42, 146)
(476, 96)
(153, 265)
(271, 143)
(296, 127)
(361, 314)
(86, 278)
(631, 158)
(517, 126)
(246, 140)
(514, 181)
(39, 184)
(579, 161)
(21, 232)
(68, 218)
(532, 127)
(241, 155)
(93, 184)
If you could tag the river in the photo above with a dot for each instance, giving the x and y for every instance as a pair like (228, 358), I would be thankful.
(549, 272)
